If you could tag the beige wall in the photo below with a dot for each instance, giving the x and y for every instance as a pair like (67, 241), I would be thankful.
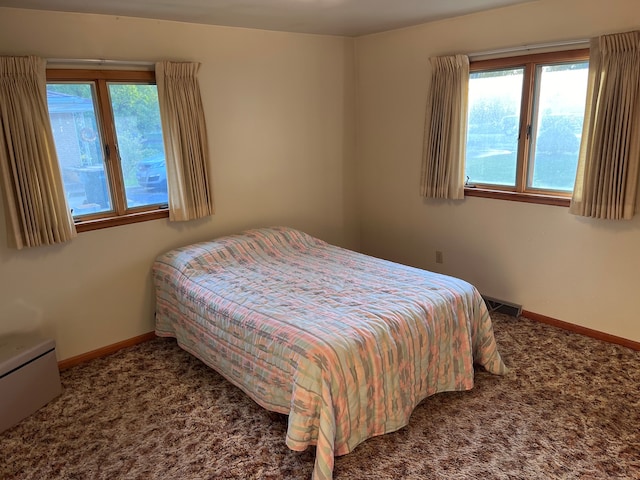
(578, 270)
(280, 116)
(283, 122)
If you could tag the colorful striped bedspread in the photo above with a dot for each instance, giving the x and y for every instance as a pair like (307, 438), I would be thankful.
(345, 344)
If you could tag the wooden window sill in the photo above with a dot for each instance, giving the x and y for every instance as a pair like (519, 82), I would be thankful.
(98, 223)
(543, 199)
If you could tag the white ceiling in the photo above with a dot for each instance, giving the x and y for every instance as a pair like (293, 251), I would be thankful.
(329, 17)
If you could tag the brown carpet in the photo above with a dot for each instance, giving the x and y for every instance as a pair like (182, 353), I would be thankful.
(569, 409)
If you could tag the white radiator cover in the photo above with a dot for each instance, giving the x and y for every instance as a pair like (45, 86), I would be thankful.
(29, 377)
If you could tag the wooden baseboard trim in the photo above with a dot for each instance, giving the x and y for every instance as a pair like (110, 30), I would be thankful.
(104, 351)
(588, 332)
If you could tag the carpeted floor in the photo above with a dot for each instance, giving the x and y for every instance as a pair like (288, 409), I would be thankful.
(569, 409)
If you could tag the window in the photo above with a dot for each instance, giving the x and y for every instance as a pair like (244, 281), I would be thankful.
(108, 136)
(524, 126)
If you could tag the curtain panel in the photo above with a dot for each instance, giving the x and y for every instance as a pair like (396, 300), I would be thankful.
(443, 156)
(185, 138)
(35, 205)
(609, 159)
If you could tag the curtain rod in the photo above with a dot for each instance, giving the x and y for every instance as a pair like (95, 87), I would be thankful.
(582, 43)
(99, 62)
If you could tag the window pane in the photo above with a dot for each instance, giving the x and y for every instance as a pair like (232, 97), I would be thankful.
(562, 91)
(137, 119)
(77, 138)
(492, 135)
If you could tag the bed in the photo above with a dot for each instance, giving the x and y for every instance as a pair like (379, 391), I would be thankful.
(343, 343)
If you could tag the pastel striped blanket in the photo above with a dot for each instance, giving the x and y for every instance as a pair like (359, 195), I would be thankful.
(343, 343)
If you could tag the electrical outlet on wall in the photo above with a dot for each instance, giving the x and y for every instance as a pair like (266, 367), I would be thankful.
(439, 258)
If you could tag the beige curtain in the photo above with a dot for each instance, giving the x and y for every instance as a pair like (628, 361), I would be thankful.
(607, 175)
(445, 129)
(185, 139)
(36, 208)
